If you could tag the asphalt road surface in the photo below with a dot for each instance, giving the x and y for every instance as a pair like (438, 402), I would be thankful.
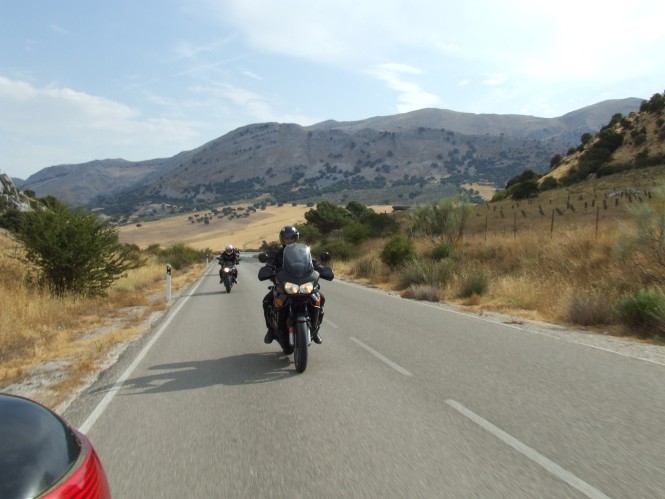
(403, 399)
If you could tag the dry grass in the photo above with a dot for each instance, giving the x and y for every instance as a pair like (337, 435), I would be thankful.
(54, 343)
(244, 233)
(572, 276)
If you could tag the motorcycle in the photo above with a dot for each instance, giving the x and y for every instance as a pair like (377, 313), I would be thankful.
(228, 274)
(296, 306)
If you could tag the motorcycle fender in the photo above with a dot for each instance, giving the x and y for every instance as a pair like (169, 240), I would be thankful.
(303, 318)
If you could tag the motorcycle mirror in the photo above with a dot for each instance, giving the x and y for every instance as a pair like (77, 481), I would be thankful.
(325, 256)
(263, 257)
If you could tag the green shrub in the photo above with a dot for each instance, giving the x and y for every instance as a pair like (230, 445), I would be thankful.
(442, 251)
(179, 255)
(426, 272)
(398, 251)
(355, 232)
(643, 312)
(549, 183)
(339, 250)
(473, 282)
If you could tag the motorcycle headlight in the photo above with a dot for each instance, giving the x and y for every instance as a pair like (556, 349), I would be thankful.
(226, 269)
(294, 289)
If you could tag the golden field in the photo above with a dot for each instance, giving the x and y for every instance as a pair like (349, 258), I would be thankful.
(244, 232)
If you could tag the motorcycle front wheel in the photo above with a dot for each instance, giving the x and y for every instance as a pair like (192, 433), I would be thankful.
(227, 283)
(300, 350)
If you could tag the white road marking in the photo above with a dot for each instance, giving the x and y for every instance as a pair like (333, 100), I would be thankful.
(103, 404)
(331, 323)
(518, 327)
(396, 367)
(530, 453)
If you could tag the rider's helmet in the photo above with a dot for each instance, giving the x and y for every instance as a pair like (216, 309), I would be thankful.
(229, 249)
(288, 235)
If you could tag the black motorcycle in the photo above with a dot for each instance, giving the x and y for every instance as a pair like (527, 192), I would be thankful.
(296, 306)
(227, 274)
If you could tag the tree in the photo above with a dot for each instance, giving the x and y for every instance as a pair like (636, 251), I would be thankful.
(75, 252)
(327, 217)
(548, 183)
(358, 210)
(443, 221)
(524, 190)
(555, 161)
(586, 137)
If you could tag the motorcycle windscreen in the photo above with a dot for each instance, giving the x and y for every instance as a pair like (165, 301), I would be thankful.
(298, 260)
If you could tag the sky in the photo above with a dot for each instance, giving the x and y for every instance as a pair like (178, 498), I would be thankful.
(82, 80)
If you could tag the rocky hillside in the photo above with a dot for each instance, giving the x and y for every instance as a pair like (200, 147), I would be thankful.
(12, 198)
(628, 142)
(402, 158)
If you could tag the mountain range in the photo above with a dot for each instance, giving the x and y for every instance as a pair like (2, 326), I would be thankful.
(410, 157)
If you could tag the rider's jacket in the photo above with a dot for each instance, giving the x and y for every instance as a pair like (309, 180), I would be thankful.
(225, 257)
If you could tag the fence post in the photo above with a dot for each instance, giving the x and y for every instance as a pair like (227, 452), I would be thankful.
(552, 224)
(168, 283)
(515, 225)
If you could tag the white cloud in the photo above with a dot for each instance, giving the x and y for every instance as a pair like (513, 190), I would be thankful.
(59, 29)
(252, 75)
(188, 50)
(250, 105)
(495, 80)
(410, 95)
(71, 125)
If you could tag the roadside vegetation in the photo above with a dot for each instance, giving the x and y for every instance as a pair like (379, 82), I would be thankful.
(70, 292)
(610, 281)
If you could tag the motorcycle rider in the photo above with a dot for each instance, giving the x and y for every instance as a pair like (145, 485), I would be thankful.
(288, 235)
(228, 257)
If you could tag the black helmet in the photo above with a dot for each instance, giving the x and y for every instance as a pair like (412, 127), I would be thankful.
(288, 235)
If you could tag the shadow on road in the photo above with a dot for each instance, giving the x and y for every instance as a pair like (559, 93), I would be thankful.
(222, 291)
(242, 369)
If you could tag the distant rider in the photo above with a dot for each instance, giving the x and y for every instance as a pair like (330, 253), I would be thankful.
(228, 257)
(288, 235)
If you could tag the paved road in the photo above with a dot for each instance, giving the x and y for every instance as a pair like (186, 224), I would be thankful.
(404, 399)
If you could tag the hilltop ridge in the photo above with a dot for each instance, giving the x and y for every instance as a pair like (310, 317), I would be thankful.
(404, 158)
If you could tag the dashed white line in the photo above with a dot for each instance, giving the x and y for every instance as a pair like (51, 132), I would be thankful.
(385, 359)
(530, 453)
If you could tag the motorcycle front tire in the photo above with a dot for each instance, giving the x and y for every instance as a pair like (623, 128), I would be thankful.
(228, 283)
(300, 350)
